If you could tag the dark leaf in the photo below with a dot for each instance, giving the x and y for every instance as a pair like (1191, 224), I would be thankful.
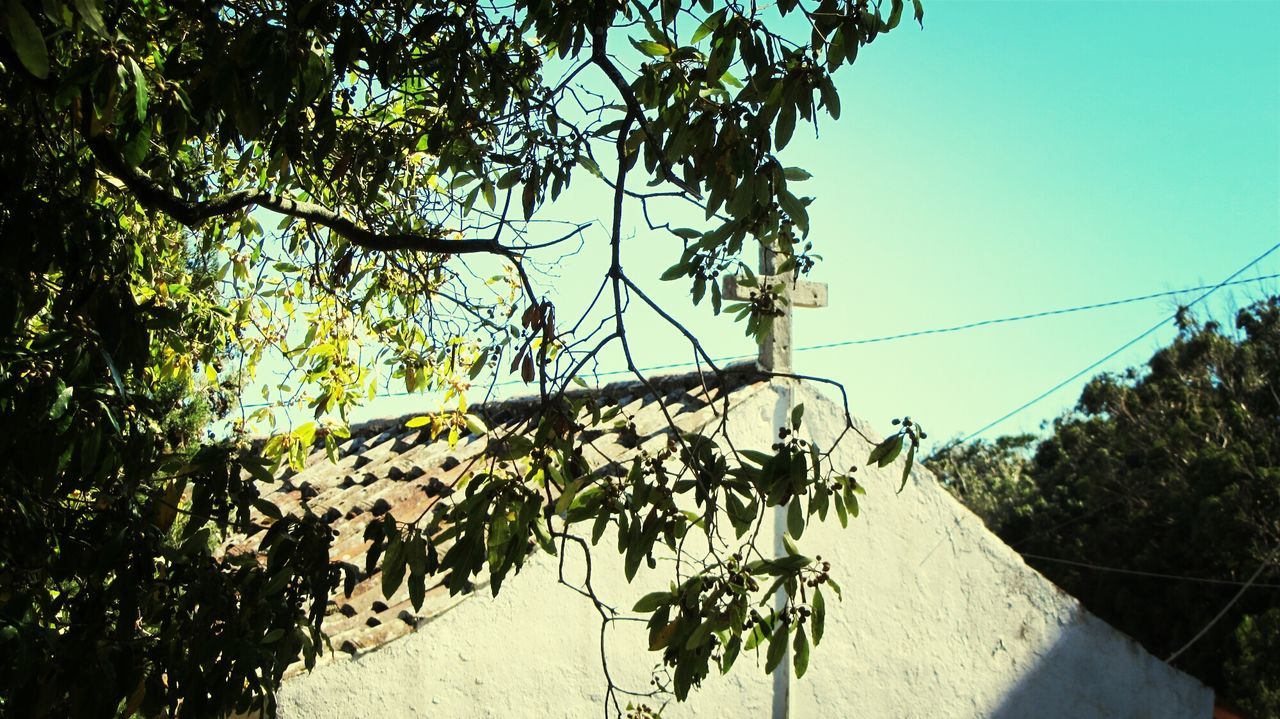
(527, 372)
(650, 602)
(885, 452)
(786, 125)
(92, 17)
(708, 26)
(60, 402)
(28, 41)
(393, 566)
(906, 467)
(777, 648)
(267, 508)
(795, 518)
(651, 48)
(818, 607)
(801, 649)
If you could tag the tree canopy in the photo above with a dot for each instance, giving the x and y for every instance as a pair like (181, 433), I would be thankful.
(1172, 469)
(317, 198)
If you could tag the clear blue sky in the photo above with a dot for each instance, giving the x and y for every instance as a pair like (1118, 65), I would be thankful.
(1009, 157)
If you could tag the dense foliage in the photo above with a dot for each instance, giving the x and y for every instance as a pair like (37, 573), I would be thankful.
(403, 152)
(1173, 470)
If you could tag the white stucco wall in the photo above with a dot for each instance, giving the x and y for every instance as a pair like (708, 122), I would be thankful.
(939, 619)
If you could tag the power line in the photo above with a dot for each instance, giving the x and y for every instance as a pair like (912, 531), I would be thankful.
(1220, 614)
(1145, 333)
(1033, 315)
(965, 326)
(1139, 573)
(934, 331)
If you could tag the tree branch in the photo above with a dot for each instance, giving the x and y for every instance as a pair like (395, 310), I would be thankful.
(601, 58)
(156, 196)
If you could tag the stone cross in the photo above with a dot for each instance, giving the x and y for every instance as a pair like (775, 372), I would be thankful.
(775, 351)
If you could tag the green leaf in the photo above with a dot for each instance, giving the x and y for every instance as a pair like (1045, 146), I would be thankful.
(140, 95)
(801, 647)
(566, 498)
(268, 508)
(350, 575)
(393, 566)
(651, 48)
(779, 566)
(919, 8)
(543, 536)
(793, 207)
(698, 636)
(777, 648)
(27, 40)
(885, 452)
(708, 26)
(789, 544)
(651, 601)
(92, 17)
(841, 513)
(819, 617)
(417, 590)
(136, 149)
(634, 549)
(830, 98)
(661, 636)
(786, 126)
(501, 531)
(600, 524)
(795, 518)
(589, 165)
(513, 447)
(476, 425)
(895, 15)
(60, 402)
(257, 469)
(675, 271)
(797, 414)
(835, 586)
(731, 651)
(906, 467)
(478, 366)
(116, 377)
(796, 174)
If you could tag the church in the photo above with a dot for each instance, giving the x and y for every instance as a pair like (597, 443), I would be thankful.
(938, 618)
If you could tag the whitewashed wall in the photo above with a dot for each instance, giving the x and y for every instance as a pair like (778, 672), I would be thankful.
(939, 619)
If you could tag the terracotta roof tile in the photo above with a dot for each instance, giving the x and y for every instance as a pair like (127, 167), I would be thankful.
(388, 468)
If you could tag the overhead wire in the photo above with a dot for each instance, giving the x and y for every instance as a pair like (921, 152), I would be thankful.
(1153, 575)
(942, 330)
(1141, 336)
(1032, 315)
(962, 327)
(1221, 613)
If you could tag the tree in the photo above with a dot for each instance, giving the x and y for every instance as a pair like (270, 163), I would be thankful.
(1171, 470)
(405, 150)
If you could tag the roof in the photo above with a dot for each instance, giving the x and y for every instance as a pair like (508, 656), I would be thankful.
(389, 468)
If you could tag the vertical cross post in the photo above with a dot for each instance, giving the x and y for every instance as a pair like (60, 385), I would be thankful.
(775, 357)
(776, 350)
